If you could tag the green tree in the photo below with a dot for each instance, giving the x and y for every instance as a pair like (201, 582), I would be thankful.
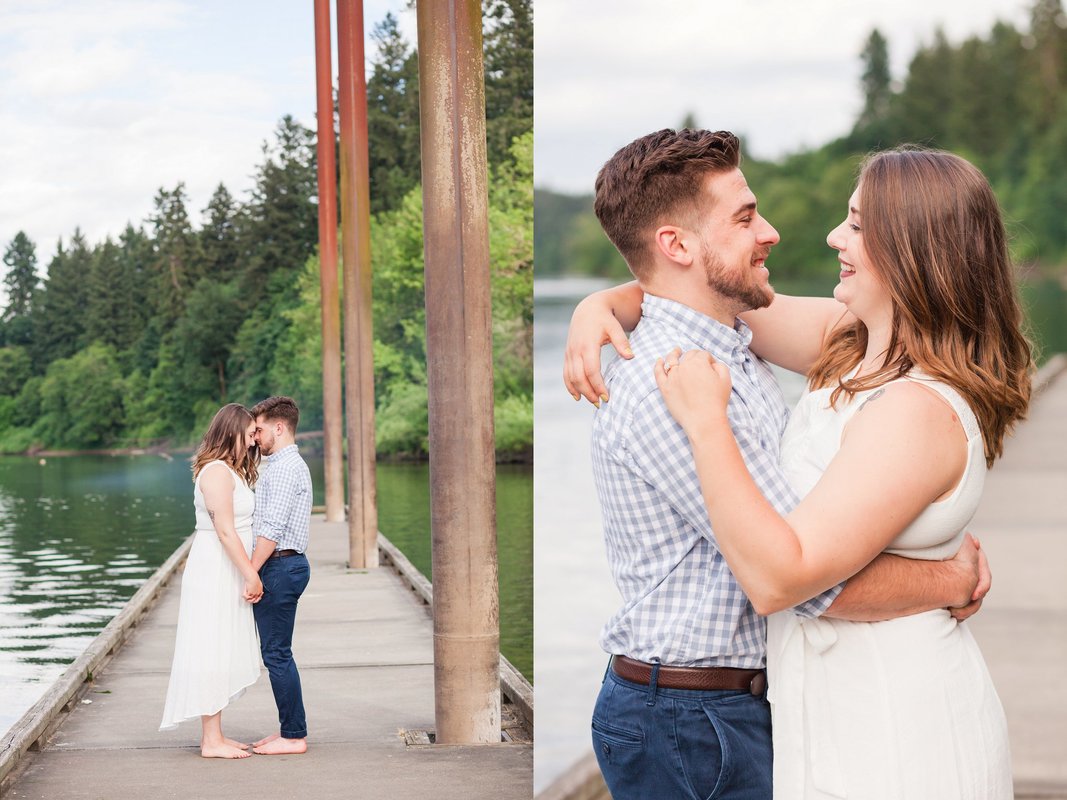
(876, 80)
(392, 117)
(219, 243)
(176, 265)
(508, 58)
(59, 326)
(15, 370)
(21, 279)
(281, 230)
(81, 399)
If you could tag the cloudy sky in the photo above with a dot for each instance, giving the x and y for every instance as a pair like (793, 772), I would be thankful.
(104, 101)
(783, 73)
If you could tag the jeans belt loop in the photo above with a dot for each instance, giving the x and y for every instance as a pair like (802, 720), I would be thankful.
(651, 701)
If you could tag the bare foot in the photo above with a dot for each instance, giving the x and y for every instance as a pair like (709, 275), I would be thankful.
(281, 747)
(223, 750)
(234, 743)
(266, 739)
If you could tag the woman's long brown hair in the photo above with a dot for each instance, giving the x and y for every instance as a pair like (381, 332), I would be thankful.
(223, 440)
(934, 235)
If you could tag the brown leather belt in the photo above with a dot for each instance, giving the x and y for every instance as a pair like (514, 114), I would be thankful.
(284, 553)
(699, 678)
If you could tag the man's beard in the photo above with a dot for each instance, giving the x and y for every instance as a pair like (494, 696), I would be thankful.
(736, 285)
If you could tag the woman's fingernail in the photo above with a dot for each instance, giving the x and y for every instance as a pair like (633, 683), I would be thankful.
(576, 396)
(604, 398)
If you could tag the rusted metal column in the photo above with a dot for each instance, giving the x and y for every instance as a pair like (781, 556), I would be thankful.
(459, 354)
(332, 418)
(355, 256)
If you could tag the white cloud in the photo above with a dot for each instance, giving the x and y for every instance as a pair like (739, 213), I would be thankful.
(104, 101)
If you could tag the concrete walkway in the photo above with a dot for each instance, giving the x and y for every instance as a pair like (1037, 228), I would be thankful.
(1022, 627)
(364, 644)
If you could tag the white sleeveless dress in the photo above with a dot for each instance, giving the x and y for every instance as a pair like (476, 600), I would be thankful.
(216, 652)
(896, 710)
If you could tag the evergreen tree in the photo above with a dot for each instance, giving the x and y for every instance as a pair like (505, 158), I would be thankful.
(392, 117)
(114, 312)
(59, 325)
(21, 278)
(282, 226)
(176, 265)
(508, 55)
(876, 80)
(219, 246)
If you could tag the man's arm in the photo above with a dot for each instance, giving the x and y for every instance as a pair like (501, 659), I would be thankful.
(892, 586)
(264, 550)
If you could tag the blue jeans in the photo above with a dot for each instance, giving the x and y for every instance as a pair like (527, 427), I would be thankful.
(284, 580)
(682, 744)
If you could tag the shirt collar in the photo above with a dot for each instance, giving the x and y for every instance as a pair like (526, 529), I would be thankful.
(285, 452)
(725, 343)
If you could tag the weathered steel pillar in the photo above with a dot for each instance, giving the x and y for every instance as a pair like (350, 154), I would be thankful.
(459, 354)
(355, 256)
(332, 418)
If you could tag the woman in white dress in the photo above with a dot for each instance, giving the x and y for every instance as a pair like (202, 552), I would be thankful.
(216, 653)
(917, 369)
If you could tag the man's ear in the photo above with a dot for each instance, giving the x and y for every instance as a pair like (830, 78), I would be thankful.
(677, 244)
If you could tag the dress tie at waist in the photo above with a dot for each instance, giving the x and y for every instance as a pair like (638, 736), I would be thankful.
(798, 681)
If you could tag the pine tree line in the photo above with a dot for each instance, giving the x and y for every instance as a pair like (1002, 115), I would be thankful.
(999, 100)
(132, 341)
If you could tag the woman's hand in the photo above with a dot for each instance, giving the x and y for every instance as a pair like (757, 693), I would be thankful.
(592, 325)
(253, 589)
(695, 387)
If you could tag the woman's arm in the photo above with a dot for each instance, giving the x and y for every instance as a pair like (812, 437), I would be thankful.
(897, 455)
(217, 487)
(602, 317)
(791, 331)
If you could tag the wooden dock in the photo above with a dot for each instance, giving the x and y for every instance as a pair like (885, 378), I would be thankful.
(364, 644)
(1022, 627)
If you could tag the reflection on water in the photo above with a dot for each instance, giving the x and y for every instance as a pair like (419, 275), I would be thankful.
(404, 517)
(80, 535)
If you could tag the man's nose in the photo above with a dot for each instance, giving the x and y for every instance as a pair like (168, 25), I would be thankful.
(768, 234)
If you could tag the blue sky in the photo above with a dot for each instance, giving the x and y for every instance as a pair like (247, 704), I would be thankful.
(104, 101)
(784, 74)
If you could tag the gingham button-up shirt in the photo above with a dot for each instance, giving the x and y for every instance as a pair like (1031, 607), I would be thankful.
(283, 500)
(681, 603)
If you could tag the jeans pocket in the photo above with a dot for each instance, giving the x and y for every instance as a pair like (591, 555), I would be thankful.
(702, 750)
(616, 747)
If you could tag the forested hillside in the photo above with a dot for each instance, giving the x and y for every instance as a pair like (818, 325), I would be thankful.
(138, 340)
(999, 100)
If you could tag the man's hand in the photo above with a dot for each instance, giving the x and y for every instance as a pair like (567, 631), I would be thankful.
(974, 566)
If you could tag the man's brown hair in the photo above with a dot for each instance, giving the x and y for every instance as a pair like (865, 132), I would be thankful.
(654, 177)
(278, 408)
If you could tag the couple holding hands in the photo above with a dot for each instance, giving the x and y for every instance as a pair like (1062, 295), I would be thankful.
(245, 572)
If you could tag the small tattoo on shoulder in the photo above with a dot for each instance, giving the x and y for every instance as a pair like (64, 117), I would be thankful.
(211, 514)
(874, 396)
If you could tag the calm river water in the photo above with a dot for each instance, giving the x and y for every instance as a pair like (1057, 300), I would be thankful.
(79, 535)
(574, 590)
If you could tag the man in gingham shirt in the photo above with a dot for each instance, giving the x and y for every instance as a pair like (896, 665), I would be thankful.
(281, 523)
(682, 711)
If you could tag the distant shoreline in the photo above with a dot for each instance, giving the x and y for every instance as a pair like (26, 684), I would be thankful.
(167, 452)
